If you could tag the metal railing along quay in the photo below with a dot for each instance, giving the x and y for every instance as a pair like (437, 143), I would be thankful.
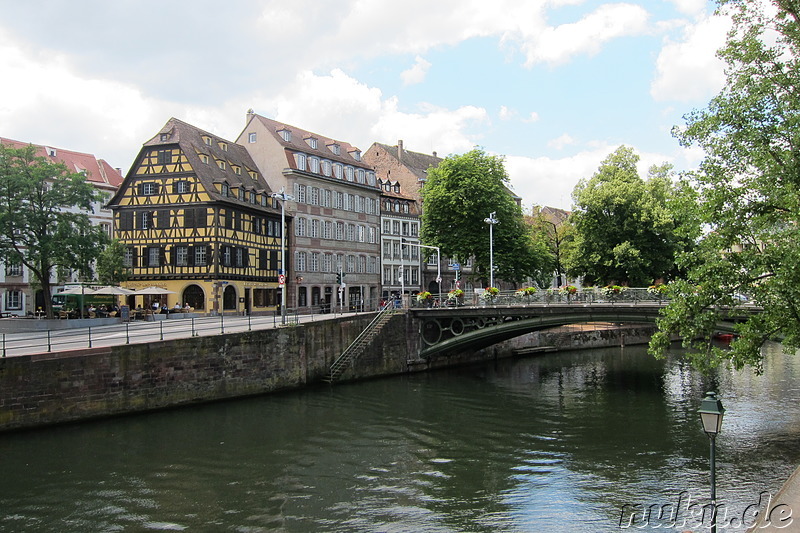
(144, 331)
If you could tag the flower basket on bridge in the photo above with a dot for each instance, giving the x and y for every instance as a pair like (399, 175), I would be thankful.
(490, 293)
(425, 298)
(525, 293)
(569, 290)
(613, 292)
(455, 297)
(659, 290)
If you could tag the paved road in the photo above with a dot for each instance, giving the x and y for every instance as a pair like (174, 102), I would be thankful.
(29, 343)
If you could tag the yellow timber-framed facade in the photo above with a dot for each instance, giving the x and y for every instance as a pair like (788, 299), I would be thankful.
(197, 218)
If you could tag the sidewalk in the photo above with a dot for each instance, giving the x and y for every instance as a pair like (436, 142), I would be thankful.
(783, 513)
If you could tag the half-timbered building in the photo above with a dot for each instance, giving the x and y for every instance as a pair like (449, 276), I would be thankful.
(197, 218)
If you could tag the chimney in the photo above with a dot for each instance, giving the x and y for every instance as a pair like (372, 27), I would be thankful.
(400, 149)
(250, 115)
(434, 153)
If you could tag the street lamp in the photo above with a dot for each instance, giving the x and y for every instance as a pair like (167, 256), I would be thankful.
(491, 221)
(711, 413)
(281, 195)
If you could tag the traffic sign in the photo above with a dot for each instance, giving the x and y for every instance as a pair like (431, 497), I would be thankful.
(455, 266)
(281, 280)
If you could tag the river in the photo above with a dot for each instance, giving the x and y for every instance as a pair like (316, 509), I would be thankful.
(559, 442)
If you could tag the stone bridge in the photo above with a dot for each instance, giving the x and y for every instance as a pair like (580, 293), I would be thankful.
(450, 329)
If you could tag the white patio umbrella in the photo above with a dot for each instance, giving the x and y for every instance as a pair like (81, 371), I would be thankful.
(109, 289)
(154, 291)
(77, 290)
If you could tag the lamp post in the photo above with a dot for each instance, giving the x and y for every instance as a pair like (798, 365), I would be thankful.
(491, 221)
(711, 413)
(281, 195)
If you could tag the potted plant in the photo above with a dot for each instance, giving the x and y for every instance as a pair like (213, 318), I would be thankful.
(425, 298)
(525, 292)
(456, 296)
(658, 290)
(569, 291)
(490, 293)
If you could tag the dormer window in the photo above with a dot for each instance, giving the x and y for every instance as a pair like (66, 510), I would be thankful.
(356, 155)
(241, 193)
(336, 149)
(223, 146)
(312, 142)
(164, 136)
(204, 158)
(207, 140)
(300, 159)
(313, 164)
(221, 164)
(236, 170)
(286, 135)
(225, 190)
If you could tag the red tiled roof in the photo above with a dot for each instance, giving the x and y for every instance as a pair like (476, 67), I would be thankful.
(97, 171)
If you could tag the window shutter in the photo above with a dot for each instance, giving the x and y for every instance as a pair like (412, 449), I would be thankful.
(190, 256)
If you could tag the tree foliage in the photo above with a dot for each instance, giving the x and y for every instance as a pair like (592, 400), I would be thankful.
(111, 269)
(552, 230)
(458, 195)
(43, 217)
(629, 230)
(749, 186)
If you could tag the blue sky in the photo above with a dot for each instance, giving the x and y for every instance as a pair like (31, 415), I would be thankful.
(554, 86)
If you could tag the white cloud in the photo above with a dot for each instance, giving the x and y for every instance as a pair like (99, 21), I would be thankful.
(691, 7)
(556, 45)
(506, 113)
(339, 106)
(415, 74)
(560, 142)
(689, 70)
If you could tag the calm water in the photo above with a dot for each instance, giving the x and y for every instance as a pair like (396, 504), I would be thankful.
(559, 442)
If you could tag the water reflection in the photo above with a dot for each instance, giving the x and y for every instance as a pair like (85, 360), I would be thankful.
(559, 442)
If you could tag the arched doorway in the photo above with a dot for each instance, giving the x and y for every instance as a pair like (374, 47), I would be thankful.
(194, 296)
(229, 297)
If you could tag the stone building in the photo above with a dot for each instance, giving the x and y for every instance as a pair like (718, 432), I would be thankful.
(335, 204)
(400, 245)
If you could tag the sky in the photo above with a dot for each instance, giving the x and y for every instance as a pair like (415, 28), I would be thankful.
(553, 86)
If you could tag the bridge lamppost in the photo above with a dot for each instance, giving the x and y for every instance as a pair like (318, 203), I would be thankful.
(281, 195)
(711, 412)
(491, 221)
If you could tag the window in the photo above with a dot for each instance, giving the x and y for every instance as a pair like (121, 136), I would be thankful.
(372, 265)
(326, 198)
(405, 228)
(340, 231)
(207, 140)
(396, 227)
(13, 300)
(226, 255)
(300, 261)
(339, 200)
(351, 263)
(181, 255)
(327, 229)
(312, 142)
(301, 161)
(242, 193)
(164, 157)
(314, 229)
(221, 164)
(326, 168)
(145, 220)
(300, 193)
(200, 255)
(164, 136)
(313, 165)
(314, 265)
(181, 187)
(356, 155)
(387, 227)
(387, 249)
(148, 188)
(300, 227)
(359, 207)
(223, 146)
(204, 158)
(251, 138)
(348, 172)
(348, 202)
(252, 197)
(362, 264)
(286, 135)
(126, 220)
(361, 233)
(360, 175)
(14, 269)
(326, 263)
(194, 217)
(225, 190)
(371, 177)
(240, 257)
(314, 196)
(351, 232)
(129, 257)
(337, 170)
(336, 149)
(153, 256)
(414, 229)
(372, 233)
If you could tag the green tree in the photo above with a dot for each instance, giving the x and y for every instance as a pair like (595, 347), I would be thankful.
(458, 195)
(629, 230)
(111, 269)
(552, 230)
(43, 217)
(749, 191)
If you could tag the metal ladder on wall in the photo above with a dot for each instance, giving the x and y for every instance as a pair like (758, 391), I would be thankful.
(355, 349)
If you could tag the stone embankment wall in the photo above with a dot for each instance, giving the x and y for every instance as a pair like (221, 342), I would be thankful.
(47, 389)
